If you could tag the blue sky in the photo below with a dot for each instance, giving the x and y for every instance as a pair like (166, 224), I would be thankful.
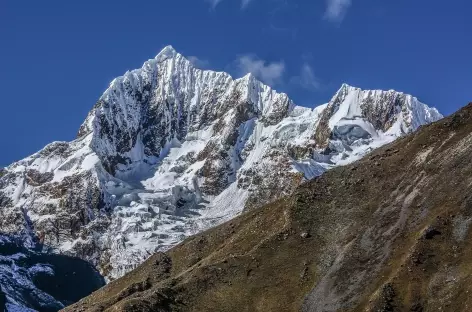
(57, 57)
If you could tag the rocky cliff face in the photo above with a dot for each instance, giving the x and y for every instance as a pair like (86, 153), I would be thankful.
(169, 150)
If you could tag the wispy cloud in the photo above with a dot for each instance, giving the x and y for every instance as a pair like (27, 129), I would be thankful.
(245, 3)
(199, 63)
(336, 10)
(214, 3)
(269, 73)
(282, 19)
(307, 78)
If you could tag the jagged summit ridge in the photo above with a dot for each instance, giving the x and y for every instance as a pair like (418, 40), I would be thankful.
(166, 52)
(176, 91)
(169, 150)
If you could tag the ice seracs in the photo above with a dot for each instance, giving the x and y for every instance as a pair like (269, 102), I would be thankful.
(170, 150)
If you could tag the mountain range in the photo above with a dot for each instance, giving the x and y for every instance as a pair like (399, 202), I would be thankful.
(389, 232)
(170, 150)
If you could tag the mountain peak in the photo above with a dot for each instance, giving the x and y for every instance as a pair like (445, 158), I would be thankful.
(166, 136)
(166, 53)
(249, 78)
(347, 87)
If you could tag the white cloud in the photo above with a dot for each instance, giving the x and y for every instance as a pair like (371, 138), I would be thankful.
(307, 78)
(199, 63)
(214, 3)
(269, 73)
(336, 10)
(245, 3)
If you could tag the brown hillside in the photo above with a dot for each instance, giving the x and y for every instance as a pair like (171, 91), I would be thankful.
(387, 233)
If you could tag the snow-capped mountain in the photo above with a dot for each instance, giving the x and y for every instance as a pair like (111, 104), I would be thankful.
(170, 150)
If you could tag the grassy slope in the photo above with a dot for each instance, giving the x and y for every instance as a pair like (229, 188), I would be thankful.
(387, 233)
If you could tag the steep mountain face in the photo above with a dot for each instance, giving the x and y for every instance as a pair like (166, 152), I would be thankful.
(170, 150)
(34, 281)
(390, 232)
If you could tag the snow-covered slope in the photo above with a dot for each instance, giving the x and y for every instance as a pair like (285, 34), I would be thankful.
(31, 280)
(170, 150)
